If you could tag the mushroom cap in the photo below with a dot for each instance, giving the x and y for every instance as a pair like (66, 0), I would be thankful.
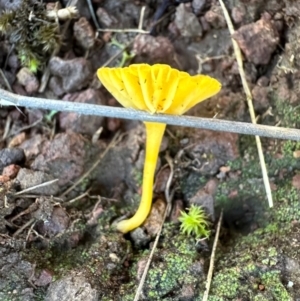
(157, 88)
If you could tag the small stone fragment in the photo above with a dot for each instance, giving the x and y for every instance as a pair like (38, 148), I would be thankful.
(27, 79)
(260, 98)
(28, 178)
(44, 278)
(238, 14)
(215, 17)
(198, 6)
(296, 181)
(73, 74)
(154, 220)
(11, 171)
(105, 18)
(71, 288)
(258, 40)
(11, 156)
(154, 48)
(187, 22)
(83, 124)
(17, 140)
(205, 198)
(84, 33)
(57, 223)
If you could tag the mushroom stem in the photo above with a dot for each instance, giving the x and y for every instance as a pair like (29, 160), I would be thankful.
(154, 134)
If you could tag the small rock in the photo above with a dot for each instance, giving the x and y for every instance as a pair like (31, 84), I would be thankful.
(28, 178)
(17, 140)
(258, 40)
(154, 48)
(177, 207)
(4, 179)
(84, 33)
(263, 81)
(161, 180)
(296, 181)
(139, 237)
(10, 5)
(205, 199)
(32, 147)
(154, 220)
(57, 223)
(210, 151)
(105, 18)
(238, 14)
(11, 171)
(83, 124)
(71, 288)
(55, 85)
(44, 278)
(27, 79)
(74, 74)
(63, 157)
(187, 22)
(260, 98)
(10, 156)
(215, 17)
(198, 6)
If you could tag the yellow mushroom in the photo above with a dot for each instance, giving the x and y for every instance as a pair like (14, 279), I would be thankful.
(155, 89)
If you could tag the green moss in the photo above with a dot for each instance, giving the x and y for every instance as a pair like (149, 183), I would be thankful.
(226, 284)
(289, 115)
(34, 40)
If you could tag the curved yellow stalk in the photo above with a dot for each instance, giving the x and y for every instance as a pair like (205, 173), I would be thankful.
(155, 89)
(154, 134)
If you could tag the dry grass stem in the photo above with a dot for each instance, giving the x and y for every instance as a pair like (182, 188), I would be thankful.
(35, 187)
(239, 59)
(212, 260)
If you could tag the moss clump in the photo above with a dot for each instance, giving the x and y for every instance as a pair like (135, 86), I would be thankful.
(31, 32)
(194, 222)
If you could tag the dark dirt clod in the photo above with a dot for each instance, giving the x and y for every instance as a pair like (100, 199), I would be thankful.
(258, 40)
(73, 74)
(84, 33)
(28, 178)
(27, 79)
(11, 156)
(83, 124)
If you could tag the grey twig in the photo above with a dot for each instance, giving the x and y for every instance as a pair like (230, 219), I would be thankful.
(10, 99)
